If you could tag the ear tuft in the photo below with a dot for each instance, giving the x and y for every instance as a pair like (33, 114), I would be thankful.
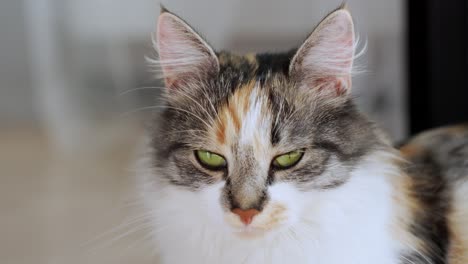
(163, 9)
(325, 59)
(183, 54)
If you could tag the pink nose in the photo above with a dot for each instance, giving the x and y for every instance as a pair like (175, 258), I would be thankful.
(246, 216)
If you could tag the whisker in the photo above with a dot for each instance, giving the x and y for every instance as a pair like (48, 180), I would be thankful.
(164, 107)
(141, 227)
(117, 228)
(139, 89)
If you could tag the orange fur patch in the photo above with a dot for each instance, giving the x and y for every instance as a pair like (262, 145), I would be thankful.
(232, 113)
(406, 208)
(411, 150)
(458, 129)
(275, 215)
(234, 116)
(221, 131)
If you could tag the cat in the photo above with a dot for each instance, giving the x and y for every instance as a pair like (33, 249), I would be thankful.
(264, 158)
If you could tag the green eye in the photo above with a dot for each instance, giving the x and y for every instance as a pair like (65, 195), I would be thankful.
(210, 159)
(288, 160)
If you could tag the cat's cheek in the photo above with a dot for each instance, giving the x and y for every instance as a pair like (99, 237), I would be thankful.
(187, 209)
(287, 196)
(210, 204)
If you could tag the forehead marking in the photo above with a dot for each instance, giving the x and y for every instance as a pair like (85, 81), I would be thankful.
(232, 108)
(221, 130)
(240, 114)
(253, 118)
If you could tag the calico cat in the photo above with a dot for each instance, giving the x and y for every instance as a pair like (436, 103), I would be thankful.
(264, 158)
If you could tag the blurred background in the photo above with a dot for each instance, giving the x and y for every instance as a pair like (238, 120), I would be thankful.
(75, 90)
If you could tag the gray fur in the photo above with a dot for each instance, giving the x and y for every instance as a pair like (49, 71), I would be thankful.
(332, 132)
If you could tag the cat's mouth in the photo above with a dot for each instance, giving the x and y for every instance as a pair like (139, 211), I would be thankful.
(250, 232)
(273, 217)
(255, 230)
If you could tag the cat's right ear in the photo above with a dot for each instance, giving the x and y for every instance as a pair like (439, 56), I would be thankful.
(183, 54)
(325, 59)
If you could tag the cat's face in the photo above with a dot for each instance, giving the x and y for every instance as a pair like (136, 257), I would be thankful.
(248, 142)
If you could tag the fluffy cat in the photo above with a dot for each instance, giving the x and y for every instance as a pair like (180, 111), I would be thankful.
(264, 158)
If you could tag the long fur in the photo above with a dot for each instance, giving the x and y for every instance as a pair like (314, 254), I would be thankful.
(350, 198)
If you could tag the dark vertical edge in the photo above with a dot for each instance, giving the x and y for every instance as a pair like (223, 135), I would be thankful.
(449, 63)
(437, 63)
(417, 59)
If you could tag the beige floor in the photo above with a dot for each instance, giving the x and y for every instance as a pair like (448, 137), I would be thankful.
(68, 208)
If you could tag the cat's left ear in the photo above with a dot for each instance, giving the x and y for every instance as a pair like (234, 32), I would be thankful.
(325, 59)
(183, 54)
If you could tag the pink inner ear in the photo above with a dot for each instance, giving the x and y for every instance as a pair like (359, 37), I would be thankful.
(164, 50)
(335, 85)
(172, 48)
(182, 52)
(332, 48)
(164, 37)
(325, 60)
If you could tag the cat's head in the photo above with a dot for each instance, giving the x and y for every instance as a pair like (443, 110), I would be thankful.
(247, 141)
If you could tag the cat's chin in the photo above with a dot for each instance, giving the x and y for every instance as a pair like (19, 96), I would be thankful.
(255, 231)
(249, 232)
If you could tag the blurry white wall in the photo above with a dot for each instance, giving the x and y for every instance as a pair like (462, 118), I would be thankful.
(16, 101)
(64, 62)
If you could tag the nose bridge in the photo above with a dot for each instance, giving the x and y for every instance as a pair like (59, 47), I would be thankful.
(247, 183)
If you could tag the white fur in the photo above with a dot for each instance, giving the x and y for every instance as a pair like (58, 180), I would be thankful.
(255, 121)
(348, 224)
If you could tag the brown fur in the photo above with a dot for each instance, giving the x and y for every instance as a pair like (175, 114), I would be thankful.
(232, 113)
(435, 168)
(407, 207)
